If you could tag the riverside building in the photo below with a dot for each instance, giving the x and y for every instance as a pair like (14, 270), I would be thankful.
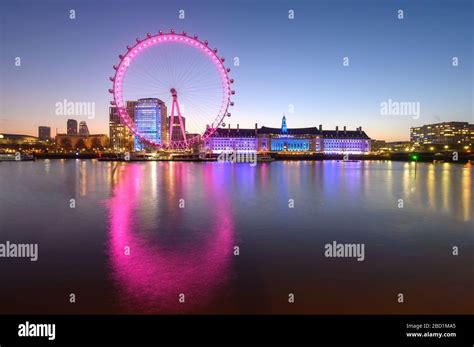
(284, 139)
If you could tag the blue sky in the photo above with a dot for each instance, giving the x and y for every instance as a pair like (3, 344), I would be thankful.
(284, 63)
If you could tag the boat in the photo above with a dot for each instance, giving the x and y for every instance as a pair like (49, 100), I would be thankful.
(13, 157)
(7, 157)
(27, 157)
(264, 158)
(438, 158)
(139, 156)
(186, 158)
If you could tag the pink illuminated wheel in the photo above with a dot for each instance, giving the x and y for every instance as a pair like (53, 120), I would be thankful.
(186, 75)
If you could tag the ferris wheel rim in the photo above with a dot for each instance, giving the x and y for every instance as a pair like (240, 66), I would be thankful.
(140, 46)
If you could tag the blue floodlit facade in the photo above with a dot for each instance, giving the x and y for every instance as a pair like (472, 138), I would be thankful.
(285, 139)
(290, 144)
(150, 122)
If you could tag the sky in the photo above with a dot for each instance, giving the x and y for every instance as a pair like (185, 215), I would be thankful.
(286, 66)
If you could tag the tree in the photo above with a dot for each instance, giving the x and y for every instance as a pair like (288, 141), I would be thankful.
(66, 143)
(81, 144)
(96, 143)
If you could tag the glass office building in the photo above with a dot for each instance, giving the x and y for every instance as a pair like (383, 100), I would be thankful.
(150, 122)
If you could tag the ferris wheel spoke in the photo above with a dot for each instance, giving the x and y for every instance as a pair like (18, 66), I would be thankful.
(204, 96)
(215, 103)
(187, 69)
(204, 89)
(146, 77)
(144, 71)
(201, 111)
(197, 75)
(193, 67)
(142, 84)
(199, 90)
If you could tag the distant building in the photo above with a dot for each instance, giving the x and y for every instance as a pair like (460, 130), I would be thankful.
(289, 140)
(379, 146)
(150, 118)
(177, 133)
(345, 141)
(44, 133)
(398, 146)
(313, 139)
(239, 140)
(284, 139)
(72, 127)
(446, 133)
(16, 139)
(83, 129)
(121, 138)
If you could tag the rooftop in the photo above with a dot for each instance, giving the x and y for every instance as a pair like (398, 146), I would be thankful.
(235, 132)
(313, 131)
(290, 131)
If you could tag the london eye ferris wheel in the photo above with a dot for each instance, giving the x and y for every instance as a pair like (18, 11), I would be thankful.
(184, 74)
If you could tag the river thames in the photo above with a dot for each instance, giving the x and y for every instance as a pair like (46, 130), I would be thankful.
(139, 234)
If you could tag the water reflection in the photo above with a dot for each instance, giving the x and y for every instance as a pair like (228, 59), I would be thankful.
(467, 205)
(169, 260)
(188, 250)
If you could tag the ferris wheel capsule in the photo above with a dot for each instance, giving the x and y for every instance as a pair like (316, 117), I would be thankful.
(111, 91)
(148, 35)
(120, 56)
(231, 80)
(206, 43)
(160, 32)
(232, 103)
(184, 33)
(115, 67)
(172, 31)
(112, 79)
(138, 40)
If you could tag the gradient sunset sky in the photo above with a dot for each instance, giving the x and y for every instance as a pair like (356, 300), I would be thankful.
(283, 62)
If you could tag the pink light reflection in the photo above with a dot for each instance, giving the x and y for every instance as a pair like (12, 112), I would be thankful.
(150, 279)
